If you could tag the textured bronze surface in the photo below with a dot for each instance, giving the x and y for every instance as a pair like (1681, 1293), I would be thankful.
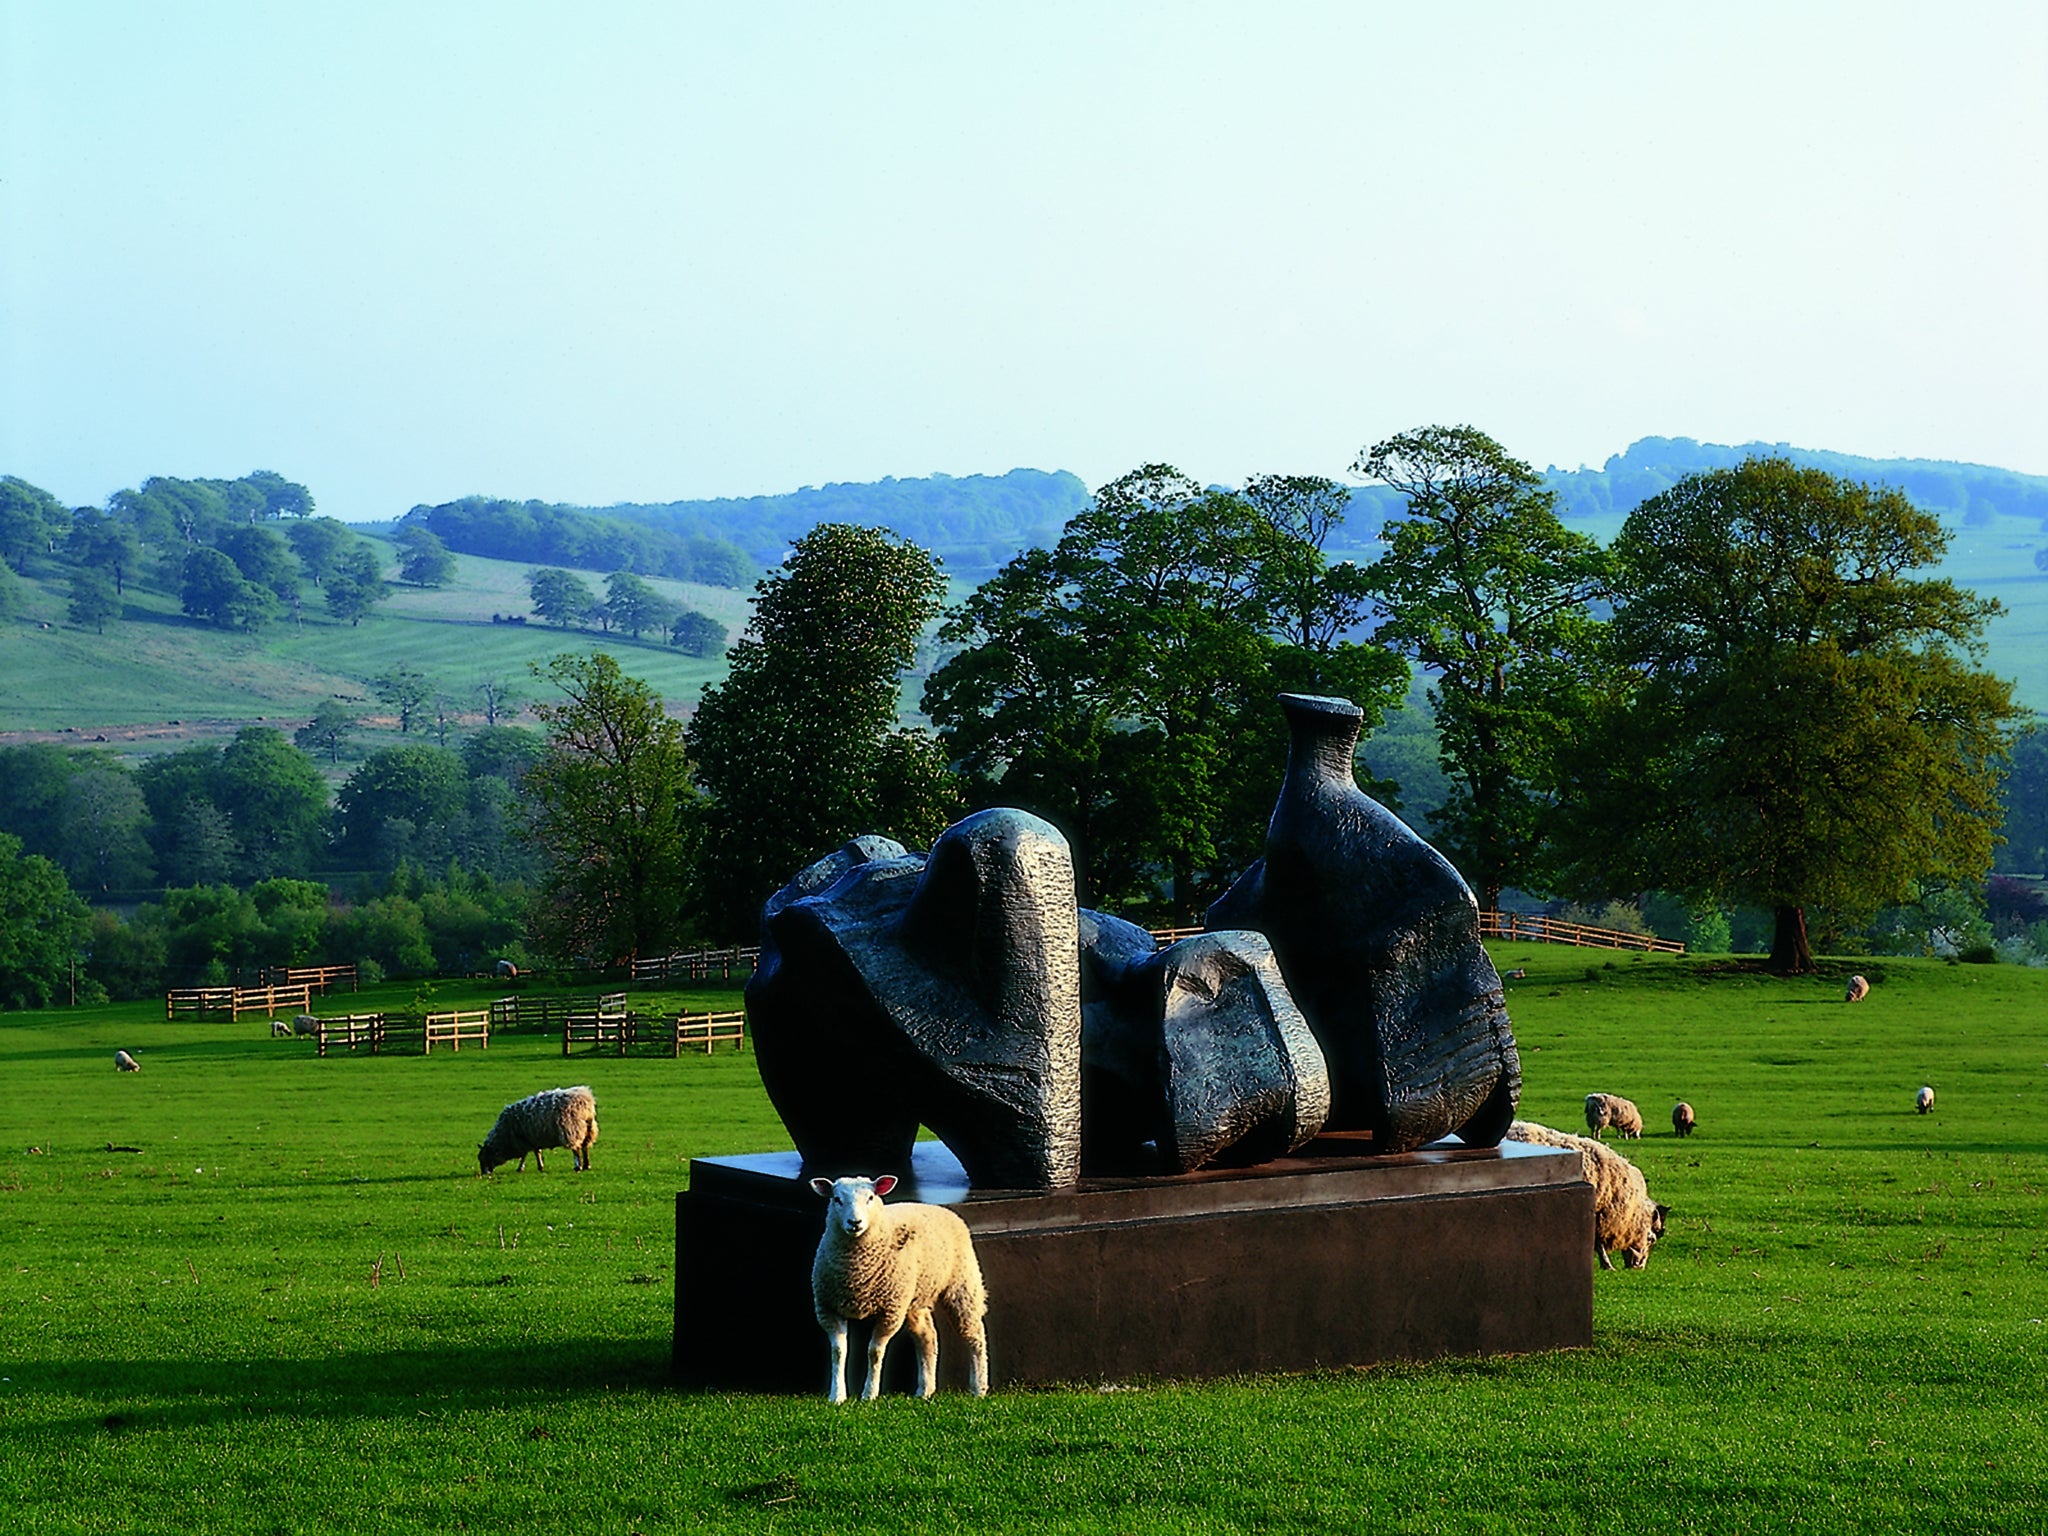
(1378, 938)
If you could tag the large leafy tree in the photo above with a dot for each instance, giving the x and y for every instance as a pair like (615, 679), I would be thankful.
(1802, 723)
(1484, 586)
(1122, 684)
(31, 521)
(328, 731)
(355, 585)
(214, 590)
(612, 813)
(321, 543)
(106, 545)
(423, 560)
(105, 824)
(42, 925)
(426, 788)
(799, 748)
(633, 605)
(276, 801)
(561, 597)
(93, 599)
(2026, 806)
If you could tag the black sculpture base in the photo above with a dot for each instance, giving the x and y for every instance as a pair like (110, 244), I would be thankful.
(1325, 1258)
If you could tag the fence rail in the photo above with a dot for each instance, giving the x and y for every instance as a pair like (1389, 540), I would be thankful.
(1165, 936)
(319, 977)
(708, 1029)
(547, 1012)
(699, 964)
(350, 1030)
(233, 1002)
(455, 1026)
(1550, 930)
(610, 1023)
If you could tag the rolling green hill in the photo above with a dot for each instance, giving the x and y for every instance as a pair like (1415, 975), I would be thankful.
(157, 677)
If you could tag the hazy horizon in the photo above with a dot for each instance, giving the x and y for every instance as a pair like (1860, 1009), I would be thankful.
(654, 253)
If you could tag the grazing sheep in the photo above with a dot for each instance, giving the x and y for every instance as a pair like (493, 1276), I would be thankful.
(306, 1024)
(123, 1062)
(505, 970)
(280, 1030)
(1625, 1218)
(554, 1117)
(1924, 1099)
(1682, 1118)
(893, 1263)
(1605, 1109)
(1858, 990)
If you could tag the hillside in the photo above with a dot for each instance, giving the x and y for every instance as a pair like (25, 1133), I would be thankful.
(157, 677)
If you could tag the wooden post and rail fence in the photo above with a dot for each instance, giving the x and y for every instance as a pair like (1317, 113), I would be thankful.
(1525, 926)
(232, 1002)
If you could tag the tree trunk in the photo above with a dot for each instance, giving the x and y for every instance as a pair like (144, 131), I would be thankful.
(1790, 953)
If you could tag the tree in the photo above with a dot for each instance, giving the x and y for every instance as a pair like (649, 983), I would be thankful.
(612, 814)
(1122, 684)
(321, 543)
(105, 544)
(214, 590)
(328, 731)
(42, 925)
(93, 599)
(2025, 798)
(105, 822)
(560, 597)
(405, 690)
(356, 585)
(31, 521)
(696, 634)
(423, 559)
(426, 787)
(632, 605)
(790, 747)
(502, 752)
(276, 801)
(1483, 585)
(1800, 725)
(499, 698)
(13, 592)
(264, 559)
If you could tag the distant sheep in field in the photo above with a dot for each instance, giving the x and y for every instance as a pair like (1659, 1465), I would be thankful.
(280, 1029)
(1605, 1109)
(894, 1263)
(123, 1062)
(554, 1117)
(1681, 1118)
(505, 970)
(1858, 990)
(1625, 1219)
(306, 1024)
(1924, 1099)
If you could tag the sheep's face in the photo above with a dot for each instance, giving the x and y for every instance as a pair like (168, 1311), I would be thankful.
(853, 1203)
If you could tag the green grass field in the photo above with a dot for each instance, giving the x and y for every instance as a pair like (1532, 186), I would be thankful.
(297, 1307)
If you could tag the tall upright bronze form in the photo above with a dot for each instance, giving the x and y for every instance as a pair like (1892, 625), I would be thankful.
(1378, 939)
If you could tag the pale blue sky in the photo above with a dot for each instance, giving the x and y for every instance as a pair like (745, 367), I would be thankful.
(593, 252)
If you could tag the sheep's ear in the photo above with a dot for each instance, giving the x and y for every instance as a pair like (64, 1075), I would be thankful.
(885, 1183)
(823, 1187)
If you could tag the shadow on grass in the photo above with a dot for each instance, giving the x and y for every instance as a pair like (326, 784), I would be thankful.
(197, 1391)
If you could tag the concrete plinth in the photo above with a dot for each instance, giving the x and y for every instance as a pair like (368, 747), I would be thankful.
(1322, 1259)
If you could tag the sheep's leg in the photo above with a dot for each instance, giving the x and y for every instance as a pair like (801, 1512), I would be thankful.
(885, 1330)
(1601, 1253)
(539, 1162)
(976, 1335)
(835, 1334)
(922, 1329)
(522, 1162)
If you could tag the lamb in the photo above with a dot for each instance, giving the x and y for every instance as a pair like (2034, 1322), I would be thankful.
(892, 1263)
(1924, 1099)
(1625, 1218)
(1605, 1109)
(554, 1117)
(123, 1062)
(1858, 990)
(280, 1030)
(1682, 1118)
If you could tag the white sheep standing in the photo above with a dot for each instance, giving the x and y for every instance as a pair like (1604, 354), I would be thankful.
(123, 1062)
(1625, 1218)
(1858, 989)
(1924, 1099)
(554, 1117)
(1605, 1109)
(280, 1030)
(893, 1263)
(1682, 1120)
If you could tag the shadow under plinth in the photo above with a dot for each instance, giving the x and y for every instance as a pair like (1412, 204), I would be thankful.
(1329, 1257)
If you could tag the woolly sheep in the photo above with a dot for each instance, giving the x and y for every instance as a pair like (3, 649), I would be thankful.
(505, 970)
(1605, 1109)
(893, 1263)
(1924, 1099)
(123, 1062)
(554, 1117)
(280, 1030)
(306, 1024)
(1682, 1118)
(1625, 1218)
(1858, 990)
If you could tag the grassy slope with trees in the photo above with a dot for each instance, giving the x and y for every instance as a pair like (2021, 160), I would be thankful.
(298, 1307)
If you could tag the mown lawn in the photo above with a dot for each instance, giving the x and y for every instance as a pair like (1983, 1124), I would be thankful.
(297, 1307)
